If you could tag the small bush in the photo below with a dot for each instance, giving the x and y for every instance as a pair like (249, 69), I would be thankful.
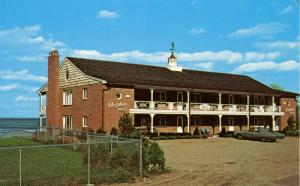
(99, 155)
(114, 131)
(156, 158)
(154, 134)
(223, 132)
(135, 135)
(119, 159)
(100, 131)
(125, 125)
(121, 175)
(196, 132)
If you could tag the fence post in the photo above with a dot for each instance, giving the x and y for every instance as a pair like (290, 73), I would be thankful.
(20, 166)
(89, 159)
(141, 156)
(111, 146)
(63, 136)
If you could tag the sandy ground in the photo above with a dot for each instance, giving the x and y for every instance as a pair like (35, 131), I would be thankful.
(220, 161)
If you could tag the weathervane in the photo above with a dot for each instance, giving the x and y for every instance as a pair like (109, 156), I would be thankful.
(173, 47)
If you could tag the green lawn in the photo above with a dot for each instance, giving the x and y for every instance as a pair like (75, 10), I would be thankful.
(40, 165)
(49, 165)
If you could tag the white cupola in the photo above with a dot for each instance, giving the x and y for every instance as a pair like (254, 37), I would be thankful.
(172, 63)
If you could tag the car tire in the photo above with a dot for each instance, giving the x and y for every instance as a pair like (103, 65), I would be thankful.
(239, 136)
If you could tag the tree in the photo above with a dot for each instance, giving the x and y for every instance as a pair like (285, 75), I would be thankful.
(125, 124)
(276, 86)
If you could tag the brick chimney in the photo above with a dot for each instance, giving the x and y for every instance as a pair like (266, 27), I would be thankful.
(53, 94)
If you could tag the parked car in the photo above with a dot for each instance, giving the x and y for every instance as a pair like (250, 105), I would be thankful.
(278, 135)
(256, 133)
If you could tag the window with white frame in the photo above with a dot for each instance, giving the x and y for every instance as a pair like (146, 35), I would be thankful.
(162, 121)
(195, 121)
(179, 96)
(84, 93)
(196, 98)
(231, 121)
(67, 97)
(231, 99)
(162, 95)
(67, 122)
(84, 121)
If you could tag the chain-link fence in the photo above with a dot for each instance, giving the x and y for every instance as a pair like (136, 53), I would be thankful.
(60, 157)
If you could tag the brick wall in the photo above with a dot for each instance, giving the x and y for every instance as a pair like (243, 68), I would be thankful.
(288, 106)
(114, 107)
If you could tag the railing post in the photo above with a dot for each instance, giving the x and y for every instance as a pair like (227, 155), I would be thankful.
(89, 159)
(141, 156)
(20, 166)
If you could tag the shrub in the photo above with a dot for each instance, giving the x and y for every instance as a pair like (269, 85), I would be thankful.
(154, 134)
(119, 159)
(121, 175)
(99, 155)
(100, 131)
(223, 132)
(125, 125)
(163, 134)
(156, 158)
(114, 131)
(196, 132)
(135, 134)
(163, 137)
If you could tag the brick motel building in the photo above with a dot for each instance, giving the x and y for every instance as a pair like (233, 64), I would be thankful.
(86, 93)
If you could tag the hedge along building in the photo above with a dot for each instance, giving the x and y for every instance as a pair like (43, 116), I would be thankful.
(85, 93)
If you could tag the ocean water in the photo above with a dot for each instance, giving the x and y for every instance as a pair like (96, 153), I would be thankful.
(18, 126)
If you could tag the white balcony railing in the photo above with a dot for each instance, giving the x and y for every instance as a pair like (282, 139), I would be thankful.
(265, 108)
(158, 105)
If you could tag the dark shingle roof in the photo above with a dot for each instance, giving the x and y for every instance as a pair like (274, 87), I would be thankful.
(134, 74)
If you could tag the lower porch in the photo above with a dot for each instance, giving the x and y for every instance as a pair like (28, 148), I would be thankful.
(179, 123)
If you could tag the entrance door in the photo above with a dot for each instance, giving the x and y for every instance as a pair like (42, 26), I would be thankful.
(179, 124)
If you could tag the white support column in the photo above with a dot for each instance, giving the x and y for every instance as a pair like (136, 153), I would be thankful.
(248, 103)
(273, 104)
(273, 122)
(41, 122)
(220, 102)
(188, 100)
(248, 122)
(220, 123)
(152, 102)
(152, 117)
(188, 123)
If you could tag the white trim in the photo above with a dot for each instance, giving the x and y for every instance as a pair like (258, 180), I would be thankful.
(84, 121)
(85, 96)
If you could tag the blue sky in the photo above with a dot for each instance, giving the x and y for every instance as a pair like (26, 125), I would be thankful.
(259, 38)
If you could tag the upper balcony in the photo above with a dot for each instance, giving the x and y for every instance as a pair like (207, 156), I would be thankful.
(174, 102)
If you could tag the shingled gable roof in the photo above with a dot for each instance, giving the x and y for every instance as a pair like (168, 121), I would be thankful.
(135, 74)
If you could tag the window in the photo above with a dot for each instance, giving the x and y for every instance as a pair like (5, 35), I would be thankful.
(262, 100)
(179, 121)
(231, 99)
(67, 122)
(196, 98)
(179, 97)
(162, 95)
(67, 75)
(195, 121)
(84, 93)
(231, 121)
(162, 121)
(256, 100)
(119, 95)
(84, 121)
(67, 97)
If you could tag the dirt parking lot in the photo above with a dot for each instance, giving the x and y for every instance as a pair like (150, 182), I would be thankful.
(220, 161)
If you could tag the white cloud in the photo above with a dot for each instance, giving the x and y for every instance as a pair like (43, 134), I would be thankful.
(261, 29)
(287, 9)
(27, 37)
(8, 87)
(26, 98)
(204, 66)
(21, 75)
(197, 31)
(107, 14)
(35, 58)
(159, 57)
(268, 65)
(278, 45)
